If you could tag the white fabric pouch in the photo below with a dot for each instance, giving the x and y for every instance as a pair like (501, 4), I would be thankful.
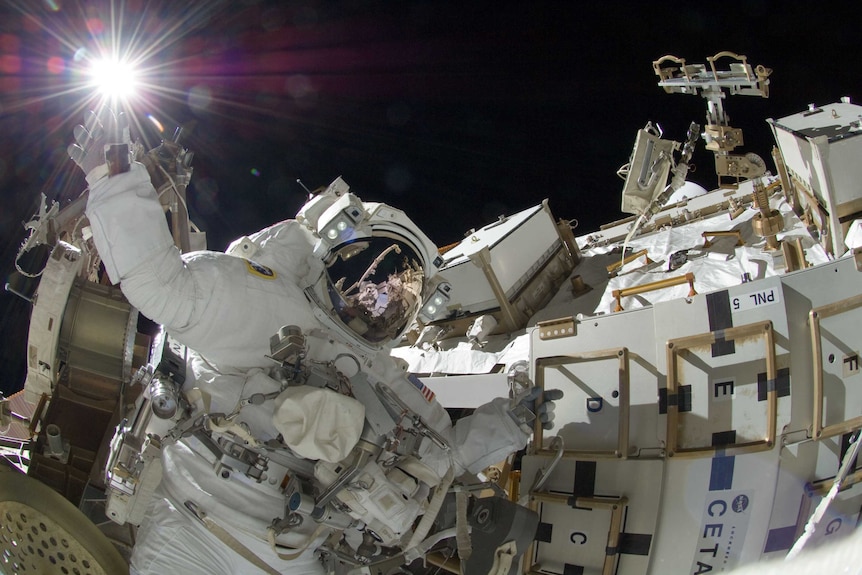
(853, 239)
(318, 423)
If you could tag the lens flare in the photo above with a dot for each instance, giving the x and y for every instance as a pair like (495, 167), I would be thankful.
(55, 65)
(113, 78)
(156, 123)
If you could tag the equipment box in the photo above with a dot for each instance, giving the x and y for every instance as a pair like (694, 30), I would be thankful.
(510, 268)
(821, 148)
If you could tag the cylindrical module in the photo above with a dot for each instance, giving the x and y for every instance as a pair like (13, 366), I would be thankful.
(55, 440)
(165, 398)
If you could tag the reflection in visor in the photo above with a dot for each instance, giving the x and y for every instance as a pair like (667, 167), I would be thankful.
(375, 295)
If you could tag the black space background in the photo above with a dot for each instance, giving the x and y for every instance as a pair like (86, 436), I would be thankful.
(455, 112)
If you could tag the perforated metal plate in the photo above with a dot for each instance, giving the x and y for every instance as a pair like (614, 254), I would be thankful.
(33, 543)
(42, 533)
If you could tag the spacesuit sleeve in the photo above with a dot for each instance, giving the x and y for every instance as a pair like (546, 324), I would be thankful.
(487, 436)
(132, 237)
(128, 222)
(484, 438)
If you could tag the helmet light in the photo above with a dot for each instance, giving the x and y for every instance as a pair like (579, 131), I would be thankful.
(435, 305)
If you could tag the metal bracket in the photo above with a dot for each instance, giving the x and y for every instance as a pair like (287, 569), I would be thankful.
(676, 347)
(558, 361)
(614, 505)
(556, 328)
(821, 431)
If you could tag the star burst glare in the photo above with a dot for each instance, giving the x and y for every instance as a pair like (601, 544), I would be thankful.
(79, 56)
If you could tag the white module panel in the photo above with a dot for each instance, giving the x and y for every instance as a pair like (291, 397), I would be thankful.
(727, 362)
(45, 320)
(834, 293)
(715, 513)
(606, 370)
(595, 516)
(806, 473)
(699, 434)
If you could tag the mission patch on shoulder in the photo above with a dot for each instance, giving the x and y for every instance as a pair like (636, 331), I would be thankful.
(256, 269)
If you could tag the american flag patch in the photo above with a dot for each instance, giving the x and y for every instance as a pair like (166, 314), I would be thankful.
(423, 389)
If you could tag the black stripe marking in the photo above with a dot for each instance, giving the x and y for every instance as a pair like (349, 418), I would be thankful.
(544, 532)
(720, 318)
(681, 399)
(635, 543)
(569, 569)
(585, 479)
(781, 384)
(723, 438)
(684, 398)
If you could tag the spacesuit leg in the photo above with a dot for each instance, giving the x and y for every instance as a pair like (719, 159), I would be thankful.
(171, 541)
(168, 541)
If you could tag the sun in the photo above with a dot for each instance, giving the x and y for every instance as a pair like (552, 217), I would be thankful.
(114, 78)
(120, 54)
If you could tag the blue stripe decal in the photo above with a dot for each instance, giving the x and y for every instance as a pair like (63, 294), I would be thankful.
(780, 539)
(721, 476)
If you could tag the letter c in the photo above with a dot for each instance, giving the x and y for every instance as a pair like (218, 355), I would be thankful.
(719, 503)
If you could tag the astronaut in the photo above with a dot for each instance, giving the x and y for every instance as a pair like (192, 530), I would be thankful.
(298, 427)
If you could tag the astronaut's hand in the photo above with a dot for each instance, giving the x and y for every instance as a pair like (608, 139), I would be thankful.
(541, 404)
(101, 145)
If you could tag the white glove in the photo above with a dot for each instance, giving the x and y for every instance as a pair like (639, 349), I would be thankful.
(102, 145)
(528, 401)
(541, 403)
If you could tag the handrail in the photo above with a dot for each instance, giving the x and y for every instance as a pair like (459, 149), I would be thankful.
(728, 233)
(735, 56)
(674, 349)
(37, 414)
(617, 265)
(819, 430)
(822, 487)
(614, 505)
(556, 361)
(667, 73)
(619, 294)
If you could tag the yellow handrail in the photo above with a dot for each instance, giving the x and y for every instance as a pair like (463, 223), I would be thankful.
(619, 294)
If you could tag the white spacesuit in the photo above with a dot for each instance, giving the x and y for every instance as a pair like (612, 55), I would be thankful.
(260, 480)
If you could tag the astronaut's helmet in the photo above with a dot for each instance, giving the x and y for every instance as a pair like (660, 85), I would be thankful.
(381, 270)
(375, 286)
